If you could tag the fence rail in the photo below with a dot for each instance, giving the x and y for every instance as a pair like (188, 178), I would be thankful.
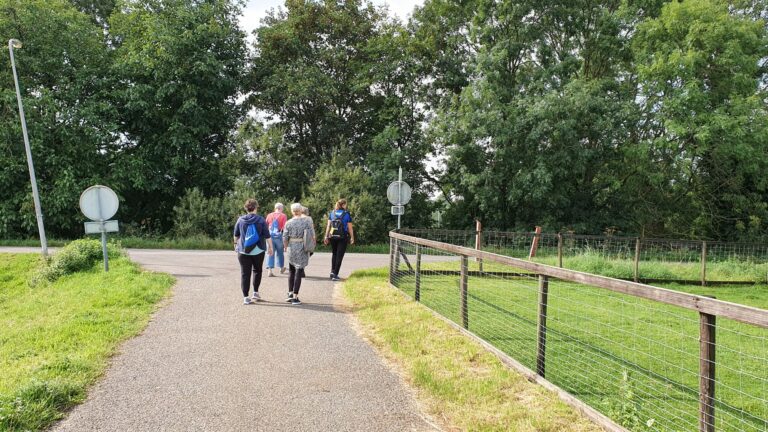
(647, 357)
(647, 260)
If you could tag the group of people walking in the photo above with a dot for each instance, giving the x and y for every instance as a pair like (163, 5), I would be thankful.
(278, 237)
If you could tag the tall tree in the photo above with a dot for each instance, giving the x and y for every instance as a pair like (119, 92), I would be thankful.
(338, 77)
(179, 68)
(62, 70)
(700, 67)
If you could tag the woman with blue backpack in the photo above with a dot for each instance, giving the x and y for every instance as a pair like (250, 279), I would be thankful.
(339, 232)
(250, 235)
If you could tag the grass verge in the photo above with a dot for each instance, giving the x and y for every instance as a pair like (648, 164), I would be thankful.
(56, 341)
(457, 380)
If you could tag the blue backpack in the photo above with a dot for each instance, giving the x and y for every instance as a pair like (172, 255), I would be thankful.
(251, 238)
(274, 229)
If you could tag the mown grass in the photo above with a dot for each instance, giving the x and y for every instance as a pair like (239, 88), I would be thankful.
(187, 243)
(56, 340)
(458, 381)
(635, 360)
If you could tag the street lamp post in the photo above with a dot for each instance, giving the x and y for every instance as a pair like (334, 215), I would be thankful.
(13, 43)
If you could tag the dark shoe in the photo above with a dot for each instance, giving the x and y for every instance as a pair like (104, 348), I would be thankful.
(335, 278)
(289, 298)
(333, 275)
(295, 301)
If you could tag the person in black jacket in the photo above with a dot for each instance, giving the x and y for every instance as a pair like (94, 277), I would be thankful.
(251, 256)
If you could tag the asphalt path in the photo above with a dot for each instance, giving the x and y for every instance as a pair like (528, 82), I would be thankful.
(206, 362)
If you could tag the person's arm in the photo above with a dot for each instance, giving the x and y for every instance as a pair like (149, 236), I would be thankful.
(351, 233)
(236, 233)
(265, 234)
(286, 239)
(327, 230)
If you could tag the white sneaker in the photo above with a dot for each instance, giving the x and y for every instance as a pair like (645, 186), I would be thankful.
(246, 300)
(282, 270)
(255, 297)
(269, 273)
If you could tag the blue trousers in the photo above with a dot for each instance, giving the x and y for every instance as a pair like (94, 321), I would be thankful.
(277, 246)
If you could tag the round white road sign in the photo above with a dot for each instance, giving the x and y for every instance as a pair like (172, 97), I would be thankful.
(99, 203)
(399, 193)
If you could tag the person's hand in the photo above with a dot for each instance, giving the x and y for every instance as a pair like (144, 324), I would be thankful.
(325, 241)
(270, 252)
(352, 241)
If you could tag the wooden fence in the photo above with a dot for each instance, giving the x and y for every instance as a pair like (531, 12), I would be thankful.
(634, 249)
(707, 308)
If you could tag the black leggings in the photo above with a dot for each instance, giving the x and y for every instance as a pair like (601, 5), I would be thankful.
(294, 279)
(338, 247)
(248, 264)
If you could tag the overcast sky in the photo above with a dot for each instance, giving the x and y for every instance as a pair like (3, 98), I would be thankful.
(255, 10)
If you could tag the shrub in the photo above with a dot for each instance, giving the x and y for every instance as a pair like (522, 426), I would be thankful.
(77, 256)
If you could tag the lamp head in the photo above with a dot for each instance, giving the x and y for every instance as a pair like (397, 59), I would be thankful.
(15, 43)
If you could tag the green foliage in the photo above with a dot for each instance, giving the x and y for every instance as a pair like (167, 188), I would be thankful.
(213, 217)
(338, 180)
(699, 70)
(625, 409)
(648, 116)
(61, 70)
(77, 256)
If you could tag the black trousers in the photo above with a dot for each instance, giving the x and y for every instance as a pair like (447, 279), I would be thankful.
(338, 248)
(250, 264)
(294, 279)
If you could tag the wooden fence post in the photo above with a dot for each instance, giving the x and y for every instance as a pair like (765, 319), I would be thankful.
(704, 263)
(397, 258)
(707, 372)
(479, 241)
(417, 292)
(541, 326)
(560, 250)
(463, 286)
(391, 260)
(535, 242)
(637, 260)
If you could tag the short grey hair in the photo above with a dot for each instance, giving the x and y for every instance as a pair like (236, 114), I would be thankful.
(279, 206)
(296, 208)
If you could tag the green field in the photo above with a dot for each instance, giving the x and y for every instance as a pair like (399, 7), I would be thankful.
(55, 340)
(635, 360)
(652, 266)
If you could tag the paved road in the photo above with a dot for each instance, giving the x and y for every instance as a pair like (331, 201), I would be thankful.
(206, 362)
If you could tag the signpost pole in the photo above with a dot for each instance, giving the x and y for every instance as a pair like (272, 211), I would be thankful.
(399, 191)
(104, 248)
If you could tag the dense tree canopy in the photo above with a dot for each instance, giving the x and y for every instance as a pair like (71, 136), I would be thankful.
(643, 116)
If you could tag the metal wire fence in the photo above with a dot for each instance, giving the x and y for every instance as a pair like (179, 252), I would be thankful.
(645, 357)
(639, 259)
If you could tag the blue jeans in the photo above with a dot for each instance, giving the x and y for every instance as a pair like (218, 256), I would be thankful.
(277, 246)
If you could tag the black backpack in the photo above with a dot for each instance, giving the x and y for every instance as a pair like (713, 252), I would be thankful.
(337, 225)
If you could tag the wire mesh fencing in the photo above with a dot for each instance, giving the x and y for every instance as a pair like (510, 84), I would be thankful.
(647, 358)
(639, 259)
